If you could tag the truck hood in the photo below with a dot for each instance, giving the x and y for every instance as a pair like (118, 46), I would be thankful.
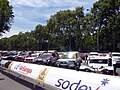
(94, 65)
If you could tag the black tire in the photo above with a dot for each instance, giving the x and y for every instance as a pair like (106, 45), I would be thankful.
(7, 64)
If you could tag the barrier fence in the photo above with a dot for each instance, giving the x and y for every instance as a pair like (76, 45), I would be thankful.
(53, 78)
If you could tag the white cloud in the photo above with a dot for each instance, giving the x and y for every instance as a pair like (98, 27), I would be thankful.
(30, 3)
(48, 3)
(14, 31)
(29, 13)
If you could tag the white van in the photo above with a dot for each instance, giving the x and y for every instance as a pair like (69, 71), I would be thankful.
(115, 57)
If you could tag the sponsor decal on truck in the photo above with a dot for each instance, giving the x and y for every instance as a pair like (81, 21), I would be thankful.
(68, 85)
(23, 69)
(42, 75)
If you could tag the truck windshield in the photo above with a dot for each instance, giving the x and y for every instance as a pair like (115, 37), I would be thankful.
(67, 56)
(99, 61)
(116, 55)
(46, 55)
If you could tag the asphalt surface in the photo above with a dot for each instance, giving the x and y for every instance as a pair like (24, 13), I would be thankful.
(118, 71)
(10, 82)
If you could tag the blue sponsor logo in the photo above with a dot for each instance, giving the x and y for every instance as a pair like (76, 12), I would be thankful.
(17, 66)
(66, 84)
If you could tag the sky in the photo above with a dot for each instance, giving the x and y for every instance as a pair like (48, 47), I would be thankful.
(29, 13)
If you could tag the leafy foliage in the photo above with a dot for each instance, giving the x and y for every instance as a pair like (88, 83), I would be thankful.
(6, 16)
(74, 30)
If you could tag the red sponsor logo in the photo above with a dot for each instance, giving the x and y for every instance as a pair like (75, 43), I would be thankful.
(25, 69)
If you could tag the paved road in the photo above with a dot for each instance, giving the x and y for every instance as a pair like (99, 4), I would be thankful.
(118, 71)
(9, 82)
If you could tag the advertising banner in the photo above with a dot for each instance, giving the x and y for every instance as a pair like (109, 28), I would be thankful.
(26, 69)
(66, 79)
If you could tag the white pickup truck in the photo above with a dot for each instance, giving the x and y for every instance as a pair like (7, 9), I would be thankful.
(115, 57)
(100, 64)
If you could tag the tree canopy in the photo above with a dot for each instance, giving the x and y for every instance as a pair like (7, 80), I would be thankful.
(74, 30)
(6, 16)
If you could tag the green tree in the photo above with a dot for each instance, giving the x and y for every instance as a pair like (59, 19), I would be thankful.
(39, 37)
(64, 27)
(88, 33)
(6, 16)
(13, 40)
(4, 44)
(78, 23)
(107, 16)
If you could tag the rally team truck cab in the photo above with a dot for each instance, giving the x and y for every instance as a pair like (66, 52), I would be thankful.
(115, 57)
(100, 64)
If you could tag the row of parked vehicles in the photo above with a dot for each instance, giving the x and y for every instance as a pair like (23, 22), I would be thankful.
(98, 62)
(51, 57)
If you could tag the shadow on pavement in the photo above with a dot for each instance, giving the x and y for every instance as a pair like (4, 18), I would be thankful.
(21, 81)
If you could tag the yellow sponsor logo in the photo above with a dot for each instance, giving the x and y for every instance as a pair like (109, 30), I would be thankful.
(42, 75)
